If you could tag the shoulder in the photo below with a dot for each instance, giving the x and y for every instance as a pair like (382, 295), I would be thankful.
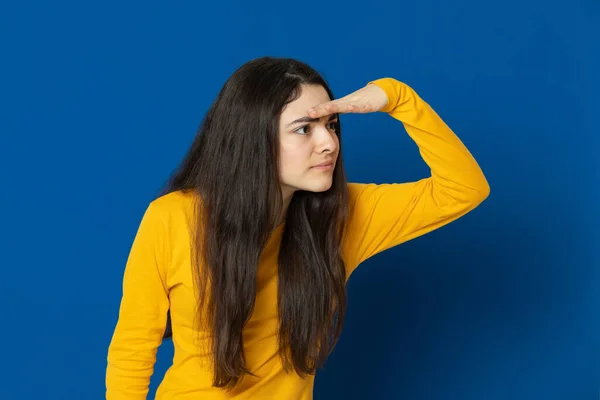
(175, 207)
(355, 189)
(365, 192)
(175, 200)
(360, 199)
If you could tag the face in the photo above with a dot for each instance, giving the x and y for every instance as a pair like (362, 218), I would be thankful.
(306, 144)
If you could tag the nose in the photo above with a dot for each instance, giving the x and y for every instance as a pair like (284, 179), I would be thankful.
(326, 140)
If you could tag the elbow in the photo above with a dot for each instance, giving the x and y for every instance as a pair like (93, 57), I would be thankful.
(473, 191)
(481, 192)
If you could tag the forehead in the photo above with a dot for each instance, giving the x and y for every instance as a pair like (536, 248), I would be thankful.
(310, 96)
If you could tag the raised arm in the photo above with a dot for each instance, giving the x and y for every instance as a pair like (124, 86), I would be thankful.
(383, 216)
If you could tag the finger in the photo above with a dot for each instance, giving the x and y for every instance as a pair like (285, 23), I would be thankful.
(343, 107)
(350, 105)
(359, 108)
(332, 107)
(322, 110)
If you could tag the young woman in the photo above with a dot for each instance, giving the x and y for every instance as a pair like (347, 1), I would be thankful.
(250, 246)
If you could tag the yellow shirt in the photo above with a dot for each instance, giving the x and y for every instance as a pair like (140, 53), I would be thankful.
(158, 274)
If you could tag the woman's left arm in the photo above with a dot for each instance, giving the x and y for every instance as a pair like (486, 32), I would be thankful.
(385, 215)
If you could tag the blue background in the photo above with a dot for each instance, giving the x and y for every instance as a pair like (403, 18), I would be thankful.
(99, 101)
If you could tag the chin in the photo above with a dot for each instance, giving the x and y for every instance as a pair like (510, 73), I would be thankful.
(319, 188)
(312, 186)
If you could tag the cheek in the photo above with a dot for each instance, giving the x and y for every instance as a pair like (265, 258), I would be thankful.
(293, 156)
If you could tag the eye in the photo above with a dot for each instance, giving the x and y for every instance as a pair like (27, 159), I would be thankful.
(303, 130)
(333, 125)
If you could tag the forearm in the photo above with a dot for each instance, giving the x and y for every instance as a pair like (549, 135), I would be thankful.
(455, 174)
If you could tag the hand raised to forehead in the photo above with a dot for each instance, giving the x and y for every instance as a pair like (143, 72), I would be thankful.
(370, 98)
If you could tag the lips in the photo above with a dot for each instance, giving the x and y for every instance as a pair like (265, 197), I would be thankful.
(323, 164)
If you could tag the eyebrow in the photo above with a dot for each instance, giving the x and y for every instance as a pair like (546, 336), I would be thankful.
(309, 119)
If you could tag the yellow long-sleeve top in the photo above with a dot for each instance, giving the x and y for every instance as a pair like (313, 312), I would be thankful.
(158, 273)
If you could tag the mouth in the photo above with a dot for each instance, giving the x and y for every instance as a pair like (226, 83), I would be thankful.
(324, 166)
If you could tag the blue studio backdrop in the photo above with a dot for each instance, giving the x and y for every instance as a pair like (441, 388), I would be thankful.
(99, 102)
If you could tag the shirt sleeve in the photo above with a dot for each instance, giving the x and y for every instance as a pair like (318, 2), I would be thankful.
(142, 315)
(386, 215)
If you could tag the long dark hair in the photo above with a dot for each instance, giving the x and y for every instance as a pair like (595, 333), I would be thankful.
(233, 167)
